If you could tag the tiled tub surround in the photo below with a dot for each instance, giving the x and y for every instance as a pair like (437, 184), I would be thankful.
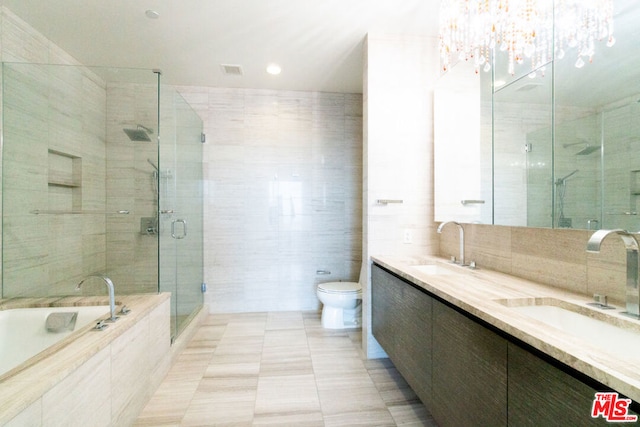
(99, 378)
(482, 293)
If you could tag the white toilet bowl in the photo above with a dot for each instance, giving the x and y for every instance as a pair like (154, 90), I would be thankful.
(342, 304)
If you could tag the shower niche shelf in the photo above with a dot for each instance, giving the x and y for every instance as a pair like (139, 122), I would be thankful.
(634, 183)
(65, 170)
(64, 181)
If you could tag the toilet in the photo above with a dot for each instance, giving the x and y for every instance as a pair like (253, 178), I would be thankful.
(342, 304)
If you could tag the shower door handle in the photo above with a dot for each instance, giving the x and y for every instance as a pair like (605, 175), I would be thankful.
(184, 228)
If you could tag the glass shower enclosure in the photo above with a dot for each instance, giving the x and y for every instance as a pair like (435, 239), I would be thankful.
(101, 174)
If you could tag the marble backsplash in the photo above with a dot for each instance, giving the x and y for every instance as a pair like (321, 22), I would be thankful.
(549, 256)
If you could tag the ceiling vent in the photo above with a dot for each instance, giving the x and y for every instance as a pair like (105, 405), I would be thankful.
(231, 69)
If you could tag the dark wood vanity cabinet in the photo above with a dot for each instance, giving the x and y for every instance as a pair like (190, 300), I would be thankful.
(540, 394)
(468, 373)
(456, 366)
(401, 319)
(469, 381)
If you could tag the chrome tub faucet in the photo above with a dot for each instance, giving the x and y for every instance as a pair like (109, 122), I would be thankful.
(631, 245)
(112, 296)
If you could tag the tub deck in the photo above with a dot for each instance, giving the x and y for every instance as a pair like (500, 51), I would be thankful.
(26, 384)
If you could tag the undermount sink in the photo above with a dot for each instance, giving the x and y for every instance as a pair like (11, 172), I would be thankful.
(610, 333)
(435, 269)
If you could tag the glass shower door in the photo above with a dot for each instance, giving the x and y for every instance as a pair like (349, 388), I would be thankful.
(180, 208)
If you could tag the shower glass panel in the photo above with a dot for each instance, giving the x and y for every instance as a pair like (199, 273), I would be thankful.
(75, 186)
(621, 168)
(84, 177)
(181, 217)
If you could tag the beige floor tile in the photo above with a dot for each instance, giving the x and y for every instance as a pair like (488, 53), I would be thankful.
(342, 362)
(244, 329)
(209, 333)
(230, 356)
(232, 370)
(222, 401)
(322, 344)
(345, 380)
(286, 365)
(228, 388)
(413, 414)
(217, 319)
(285, 338)
(285, 320)
(392, 386)
(347, 400)
(280, 369)
(302, 419)
(169, 404)
(287, 395)
(238, 345)
(376, 418)
(210, 412)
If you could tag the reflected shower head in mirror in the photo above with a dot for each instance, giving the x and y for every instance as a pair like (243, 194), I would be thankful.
(140, 133)
(588, 149)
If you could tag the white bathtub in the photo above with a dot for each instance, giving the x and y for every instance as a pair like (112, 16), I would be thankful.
(23, 334)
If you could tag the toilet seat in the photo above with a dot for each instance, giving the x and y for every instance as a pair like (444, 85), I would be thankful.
(340, 288)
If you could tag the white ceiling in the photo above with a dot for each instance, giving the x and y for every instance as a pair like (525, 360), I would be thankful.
(318, 43)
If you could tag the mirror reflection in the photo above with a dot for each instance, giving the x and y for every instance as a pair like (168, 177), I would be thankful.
(565, 143)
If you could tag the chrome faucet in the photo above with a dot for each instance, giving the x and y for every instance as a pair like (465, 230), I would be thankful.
(439, 230)
(631, 245)
(112, 296)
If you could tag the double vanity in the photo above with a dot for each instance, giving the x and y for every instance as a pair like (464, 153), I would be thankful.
(484, 348)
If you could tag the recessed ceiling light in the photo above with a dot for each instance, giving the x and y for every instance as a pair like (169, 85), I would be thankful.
(152, 14)
(274, 69)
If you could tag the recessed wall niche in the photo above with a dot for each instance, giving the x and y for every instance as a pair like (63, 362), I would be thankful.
(65, 182)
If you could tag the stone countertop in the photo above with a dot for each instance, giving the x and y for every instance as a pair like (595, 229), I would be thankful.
(489, 296)
(26, 383)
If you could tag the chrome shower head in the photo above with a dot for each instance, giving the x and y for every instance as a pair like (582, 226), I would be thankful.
(140, 133)
(588, 150)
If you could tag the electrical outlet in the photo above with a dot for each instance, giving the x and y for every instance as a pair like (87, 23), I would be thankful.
(407, 238)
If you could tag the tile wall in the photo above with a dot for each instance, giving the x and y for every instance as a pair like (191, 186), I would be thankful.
(283, 186)
(252, 136)
(399, 79)
(131, 256)
(19, 42)
(556, 257)
(63, 139)
(54, 152)
(112, 386)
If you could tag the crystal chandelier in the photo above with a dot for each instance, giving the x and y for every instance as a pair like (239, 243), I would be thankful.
(524, 29)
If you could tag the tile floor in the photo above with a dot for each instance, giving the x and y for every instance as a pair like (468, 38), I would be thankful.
(280, 369)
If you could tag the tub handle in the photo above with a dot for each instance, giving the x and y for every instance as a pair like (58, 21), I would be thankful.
(100, 326)
(125, 310)
(323, 272)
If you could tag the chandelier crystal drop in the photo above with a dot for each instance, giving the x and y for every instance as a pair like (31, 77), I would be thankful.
(524, 29)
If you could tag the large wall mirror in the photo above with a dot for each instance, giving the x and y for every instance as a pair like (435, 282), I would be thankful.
(564, 141)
